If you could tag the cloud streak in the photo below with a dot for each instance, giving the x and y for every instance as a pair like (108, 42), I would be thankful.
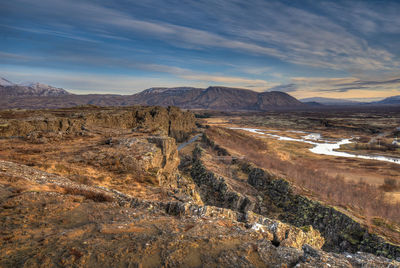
(304, 39)
(280, 45)
(348, 86)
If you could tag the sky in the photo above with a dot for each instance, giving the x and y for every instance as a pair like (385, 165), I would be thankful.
(340, 49)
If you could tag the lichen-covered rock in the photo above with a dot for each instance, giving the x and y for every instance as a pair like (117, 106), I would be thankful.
(287, 235)
(278, 233)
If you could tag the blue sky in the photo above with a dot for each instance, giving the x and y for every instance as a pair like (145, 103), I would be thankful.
(343, 49)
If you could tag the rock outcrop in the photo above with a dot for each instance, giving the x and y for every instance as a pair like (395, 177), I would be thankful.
(280, 234)
(165, 121)
(215, 191)
(342, 233)
(274, 198)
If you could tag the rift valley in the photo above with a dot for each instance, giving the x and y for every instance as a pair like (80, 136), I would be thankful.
(92, 186)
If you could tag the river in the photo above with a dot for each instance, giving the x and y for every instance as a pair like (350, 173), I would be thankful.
(321, 146)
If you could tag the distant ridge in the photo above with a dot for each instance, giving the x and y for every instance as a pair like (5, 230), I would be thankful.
(37, 95)
(329, 101)
(394, 100)
(216, 98)
(9, 89)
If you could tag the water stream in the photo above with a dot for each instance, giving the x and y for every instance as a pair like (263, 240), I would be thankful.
(321, 146)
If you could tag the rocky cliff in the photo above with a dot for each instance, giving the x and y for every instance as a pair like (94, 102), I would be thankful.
(164, 121)
(274, 197)
(342, 233)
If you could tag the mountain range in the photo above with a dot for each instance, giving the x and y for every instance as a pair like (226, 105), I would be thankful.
(37, 95)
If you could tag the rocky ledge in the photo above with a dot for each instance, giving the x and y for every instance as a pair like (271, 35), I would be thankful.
(45, 223)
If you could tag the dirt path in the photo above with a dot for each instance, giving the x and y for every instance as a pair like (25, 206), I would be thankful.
(183, 145)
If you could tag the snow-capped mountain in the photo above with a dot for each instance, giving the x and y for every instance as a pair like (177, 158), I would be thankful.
(10, 89)
(5, 83)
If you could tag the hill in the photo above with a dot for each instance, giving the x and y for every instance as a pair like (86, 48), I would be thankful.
(329, 101)
(216, 98)
(394, 100)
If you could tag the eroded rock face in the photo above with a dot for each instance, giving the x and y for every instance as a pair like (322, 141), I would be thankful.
(275, 199)
(168, 162)
(169, 121)
(150, 158)
(153, 155)
(215, 191)
(342, 233)
(287, 235)
(279, 233)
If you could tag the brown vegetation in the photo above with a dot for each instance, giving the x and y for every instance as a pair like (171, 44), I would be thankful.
(364, 198)
(383, 146)
(390, 185)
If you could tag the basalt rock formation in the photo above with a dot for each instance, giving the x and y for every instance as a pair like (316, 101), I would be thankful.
(342, 233)
(275, 198)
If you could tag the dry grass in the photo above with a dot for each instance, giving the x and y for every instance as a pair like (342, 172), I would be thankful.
(390, 185)
(367, 199)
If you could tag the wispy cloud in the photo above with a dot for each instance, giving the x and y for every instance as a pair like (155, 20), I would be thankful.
(129, 84)
(247, 42)
(229, 80)
(81, 83)
(288, 33)
(284, 88)
(372, 83)
(51, 32)
(349, 87)
(17, 57)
